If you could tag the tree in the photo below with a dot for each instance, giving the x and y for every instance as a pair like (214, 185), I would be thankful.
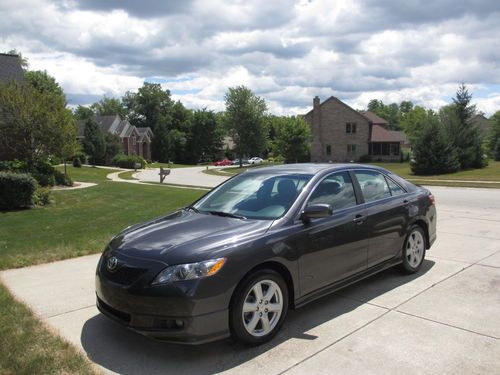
(152, 106)
(433, 151)
(113, 146)
(245, 113)
(494, 134)
(109, 106)
(83, 113)
(390, 112)
(414, 120)
(204, 139)
(293, 139)
(33, 125)
(45, 83)
(496, 150)
(94, 143)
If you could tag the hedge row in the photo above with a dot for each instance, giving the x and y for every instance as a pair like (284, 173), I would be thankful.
(17, 190)
(128, 161)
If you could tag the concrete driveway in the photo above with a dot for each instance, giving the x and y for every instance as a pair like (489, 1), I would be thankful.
(443, 320)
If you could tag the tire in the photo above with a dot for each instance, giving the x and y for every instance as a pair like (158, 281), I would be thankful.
(263, 317)
(413, 250)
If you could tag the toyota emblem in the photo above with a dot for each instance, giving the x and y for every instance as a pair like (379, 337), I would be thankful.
(112, 263)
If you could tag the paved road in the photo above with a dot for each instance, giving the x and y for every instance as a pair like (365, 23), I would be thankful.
(193, 176)
(443, 320)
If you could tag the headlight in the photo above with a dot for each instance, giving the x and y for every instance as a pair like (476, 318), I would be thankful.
(189, 271)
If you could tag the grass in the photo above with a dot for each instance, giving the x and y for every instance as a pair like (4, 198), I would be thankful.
(81, 222)
(27, 346)
(127, 175)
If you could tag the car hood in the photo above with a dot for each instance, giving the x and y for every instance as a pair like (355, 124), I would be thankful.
(185, 236)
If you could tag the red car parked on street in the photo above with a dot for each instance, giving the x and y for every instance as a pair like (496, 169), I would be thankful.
(223, 163)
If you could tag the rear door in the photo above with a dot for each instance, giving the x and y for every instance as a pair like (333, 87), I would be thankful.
(386, 204)
(335, 247)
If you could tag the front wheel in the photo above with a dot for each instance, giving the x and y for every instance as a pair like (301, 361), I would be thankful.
(259, 307)
(413, 250)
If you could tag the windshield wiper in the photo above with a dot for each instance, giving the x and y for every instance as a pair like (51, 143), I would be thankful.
(192, 209)
(226, 214)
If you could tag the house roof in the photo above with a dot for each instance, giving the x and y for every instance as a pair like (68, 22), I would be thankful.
(380, 134)
(333, 98)
(10, 68)
(374, 118)
(106, 123)
(399, 135)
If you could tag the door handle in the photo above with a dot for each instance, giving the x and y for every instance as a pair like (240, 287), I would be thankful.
(359, 219)
(406, 203)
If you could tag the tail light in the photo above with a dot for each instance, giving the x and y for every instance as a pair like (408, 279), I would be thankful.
(431, 199)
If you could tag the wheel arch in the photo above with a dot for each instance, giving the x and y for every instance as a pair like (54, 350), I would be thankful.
(425, 227)
(278, 267)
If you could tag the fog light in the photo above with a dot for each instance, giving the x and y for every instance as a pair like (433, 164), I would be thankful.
(179, 323)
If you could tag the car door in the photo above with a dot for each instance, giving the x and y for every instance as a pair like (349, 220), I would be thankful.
(335, 247)
(386, 214)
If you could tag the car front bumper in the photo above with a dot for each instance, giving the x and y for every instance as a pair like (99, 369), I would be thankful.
(185, 312)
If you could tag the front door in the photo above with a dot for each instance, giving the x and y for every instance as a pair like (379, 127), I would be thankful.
(335, 247)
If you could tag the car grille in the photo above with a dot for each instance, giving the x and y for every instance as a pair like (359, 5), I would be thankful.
(124, 275)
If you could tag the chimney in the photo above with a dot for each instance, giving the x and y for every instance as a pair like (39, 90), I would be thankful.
(316, 102)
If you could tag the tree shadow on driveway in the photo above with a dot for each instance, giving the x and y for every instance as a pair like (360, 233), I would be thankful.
(305, 331)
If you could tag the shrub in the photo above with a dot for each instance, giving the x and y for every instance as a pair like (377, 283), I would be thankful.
(365, 159)
(77, 163)
(128, 161)
(80, 156)
(13, 166)
(62, 179)
(44, 179)
(16, 190)
(496, 151)
(42, 196)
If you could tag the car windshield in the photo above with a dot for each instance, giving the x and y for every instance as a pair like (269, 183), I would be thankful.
(254, 196)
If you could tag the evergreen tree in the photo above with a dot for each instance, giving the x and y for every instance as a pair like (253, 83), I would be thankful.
(433, 153)
(94, 143)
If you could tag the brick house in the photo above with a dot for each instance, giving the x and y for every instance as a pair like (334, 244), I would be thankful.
(340, 133)
(135, 141)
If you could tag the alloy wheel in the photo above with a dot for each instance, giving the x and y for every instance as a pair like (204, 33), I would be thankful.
(415, 248)
(262, 308)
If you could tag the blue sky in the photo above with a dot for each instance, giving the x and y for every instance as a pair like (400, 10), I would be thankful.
(285, 51)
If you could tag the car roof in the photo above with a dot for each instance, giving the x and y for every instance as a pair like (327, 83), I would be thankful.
(311, 168)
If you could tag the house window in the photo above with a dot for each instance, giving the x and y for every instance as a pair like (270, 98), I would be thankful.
(350, 127)
(351, 149)
(133, 140)
(328, 150)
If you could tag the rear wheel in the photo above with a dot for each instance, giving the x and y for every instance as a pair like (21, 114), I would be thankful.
(413, 250)
(259, 307)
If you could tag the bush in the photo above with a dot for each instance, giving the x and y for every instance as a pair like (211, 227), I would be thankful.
(16, 190)
(62, 179)
(77, 163)
(496, 151)
(128, 161)
(42, 196)
(13, 166)
(365, 159)
(80, 156)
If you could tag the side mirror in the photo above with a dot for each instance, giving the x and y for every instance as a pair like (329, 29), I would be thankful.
(316, 211)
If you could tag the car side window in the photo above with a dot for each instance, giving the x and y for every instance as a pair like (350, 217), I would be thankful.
(335, 190)
(395, 188)
(373, 185)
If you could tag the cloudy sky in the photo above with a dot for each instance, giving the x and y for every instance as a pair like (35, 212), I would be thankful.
(285, 51)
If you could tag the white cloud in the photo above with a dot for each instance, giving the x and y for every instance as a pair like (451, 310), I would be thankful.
(286, 51)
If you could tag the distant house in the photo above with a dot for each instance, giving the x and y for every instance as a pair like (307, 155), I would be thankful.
(10, 71)
(340, 133)
(482, 123)
(135, 141)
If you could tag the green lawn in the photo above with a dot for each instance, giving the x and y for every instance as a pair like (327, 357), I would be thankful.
(81, 222)
(27, 346)
(127, 175)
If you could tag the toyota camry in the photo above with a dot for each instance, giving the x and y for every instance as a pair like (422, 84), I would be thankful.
(270, 239)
